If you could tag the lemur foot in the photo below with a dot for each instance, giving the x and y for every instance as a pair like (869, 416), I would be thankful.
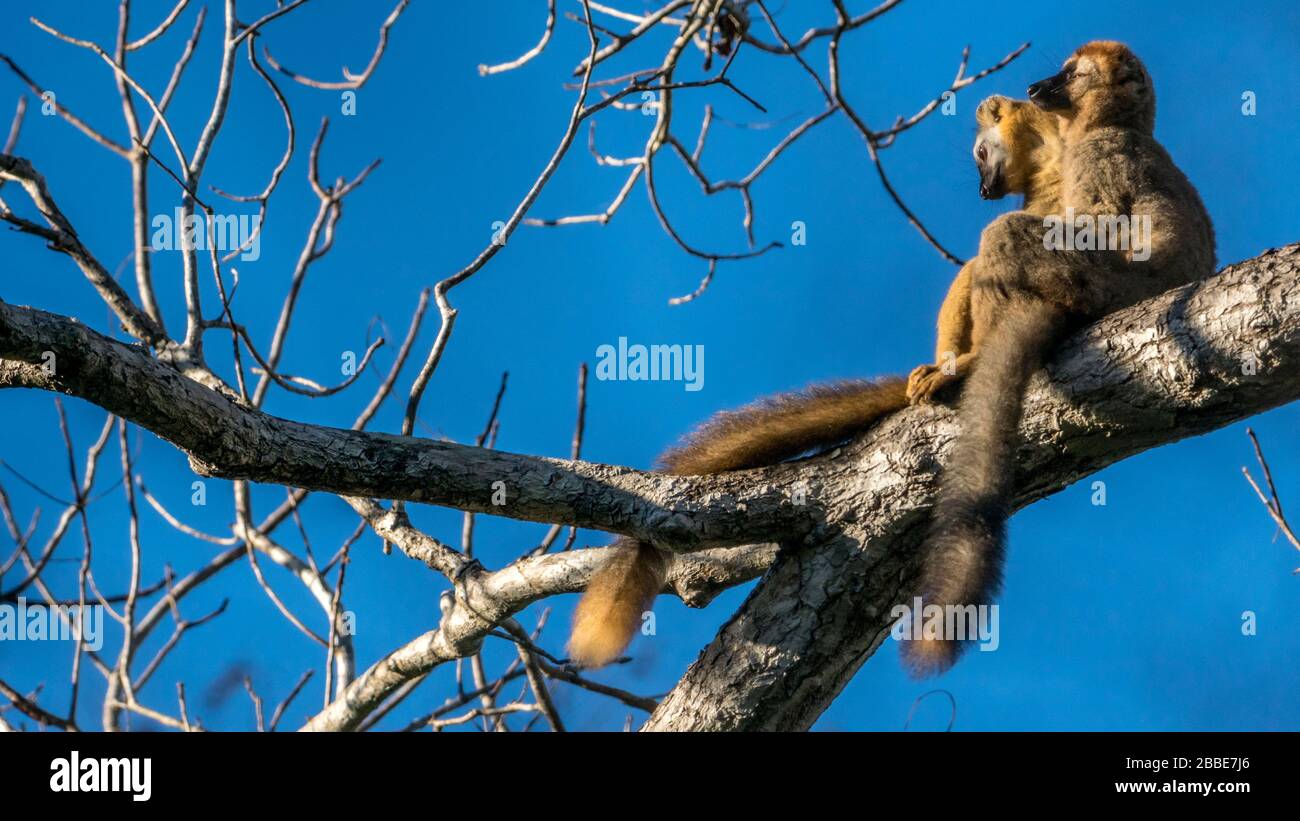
(926, 381)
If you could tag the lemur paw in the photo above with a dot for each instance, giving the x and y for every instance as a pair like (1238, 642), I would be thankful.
(925, 381)
(915, 380)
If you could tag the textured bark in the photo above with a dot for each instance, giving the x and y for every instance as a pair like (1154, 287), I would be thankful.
(1172, 367)
(849, 520)
(229, 440)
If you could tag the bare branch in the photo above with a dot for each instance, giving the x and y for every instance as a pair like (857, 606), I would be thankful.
(48, 97)
(353, 81)
(33, 711)
(485, 70)
(1271, 502)
(498, 242)
(160, 30)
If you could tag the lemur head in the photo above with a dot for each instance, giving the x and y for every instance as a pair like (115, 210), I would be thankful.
(1102, 84)
(1010, 131)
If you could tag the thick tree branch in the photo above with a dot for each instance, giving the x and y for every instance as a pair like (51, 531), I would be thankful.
(482, 600)
(1184, 363)
(226, 439)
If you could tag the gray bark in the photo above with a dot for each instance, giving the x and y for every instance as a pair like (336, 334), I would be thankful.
(849, 521)
(1188, 362)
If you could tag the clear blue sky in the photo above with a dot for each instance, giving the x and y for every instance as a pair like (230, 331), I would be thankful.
(1126, 616)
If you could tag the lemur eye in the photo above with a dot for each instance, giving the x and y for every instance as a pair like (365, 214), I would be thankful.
(981, 152)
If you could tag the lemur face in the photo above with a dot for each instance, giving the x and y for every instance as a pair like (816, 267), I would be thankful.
(1004, 145)
(1098, 69)
(991, 160)
(990, 149)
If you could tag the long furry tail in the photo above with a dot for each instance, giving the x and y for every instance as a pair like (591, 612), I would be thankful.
(609, 612)
(779, 427)
(967, 539)
(764, 433)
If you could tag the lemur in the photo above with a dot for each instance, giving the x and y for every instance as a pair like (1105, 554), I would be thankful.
(1017, 151)
(1025, 295)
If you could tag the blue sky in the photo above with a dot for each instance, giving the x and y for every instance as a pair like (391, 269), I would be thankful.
(1126, 616)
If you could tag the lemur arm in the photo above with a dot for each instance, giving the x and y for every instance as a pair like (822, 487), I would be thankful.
(954, 336)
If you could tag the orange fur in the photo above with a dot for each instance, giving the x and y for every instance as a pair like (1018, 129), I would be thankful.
(779, 427)
(763, 433)
(610, 611)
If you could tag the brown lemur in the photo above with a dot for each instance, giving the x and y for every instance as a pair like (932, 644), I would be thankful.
(1028, 289)
(1016, 151)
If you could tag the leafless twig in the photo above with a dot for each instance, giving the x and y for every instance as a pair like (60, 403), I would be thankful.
(1271, 502)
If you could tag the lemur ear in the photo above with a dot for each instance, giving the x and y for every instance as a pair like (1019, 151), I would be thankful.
(989, 111)
(1132, 71)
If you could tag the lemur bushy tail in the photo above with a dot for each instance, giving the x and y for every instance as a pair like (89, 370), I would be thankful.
(786, 425)
(609, 612)
(762, 433)
(967, 544)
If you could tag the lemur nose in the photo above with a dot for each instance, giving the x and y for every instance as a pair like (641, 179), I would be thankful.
(984, 190)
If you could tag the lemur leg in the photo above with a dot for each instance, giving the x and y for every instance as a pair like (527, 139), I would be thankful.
(1015, 263)
(953, 349)
(1017, 271)
(1018, 261)
(953, 338)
